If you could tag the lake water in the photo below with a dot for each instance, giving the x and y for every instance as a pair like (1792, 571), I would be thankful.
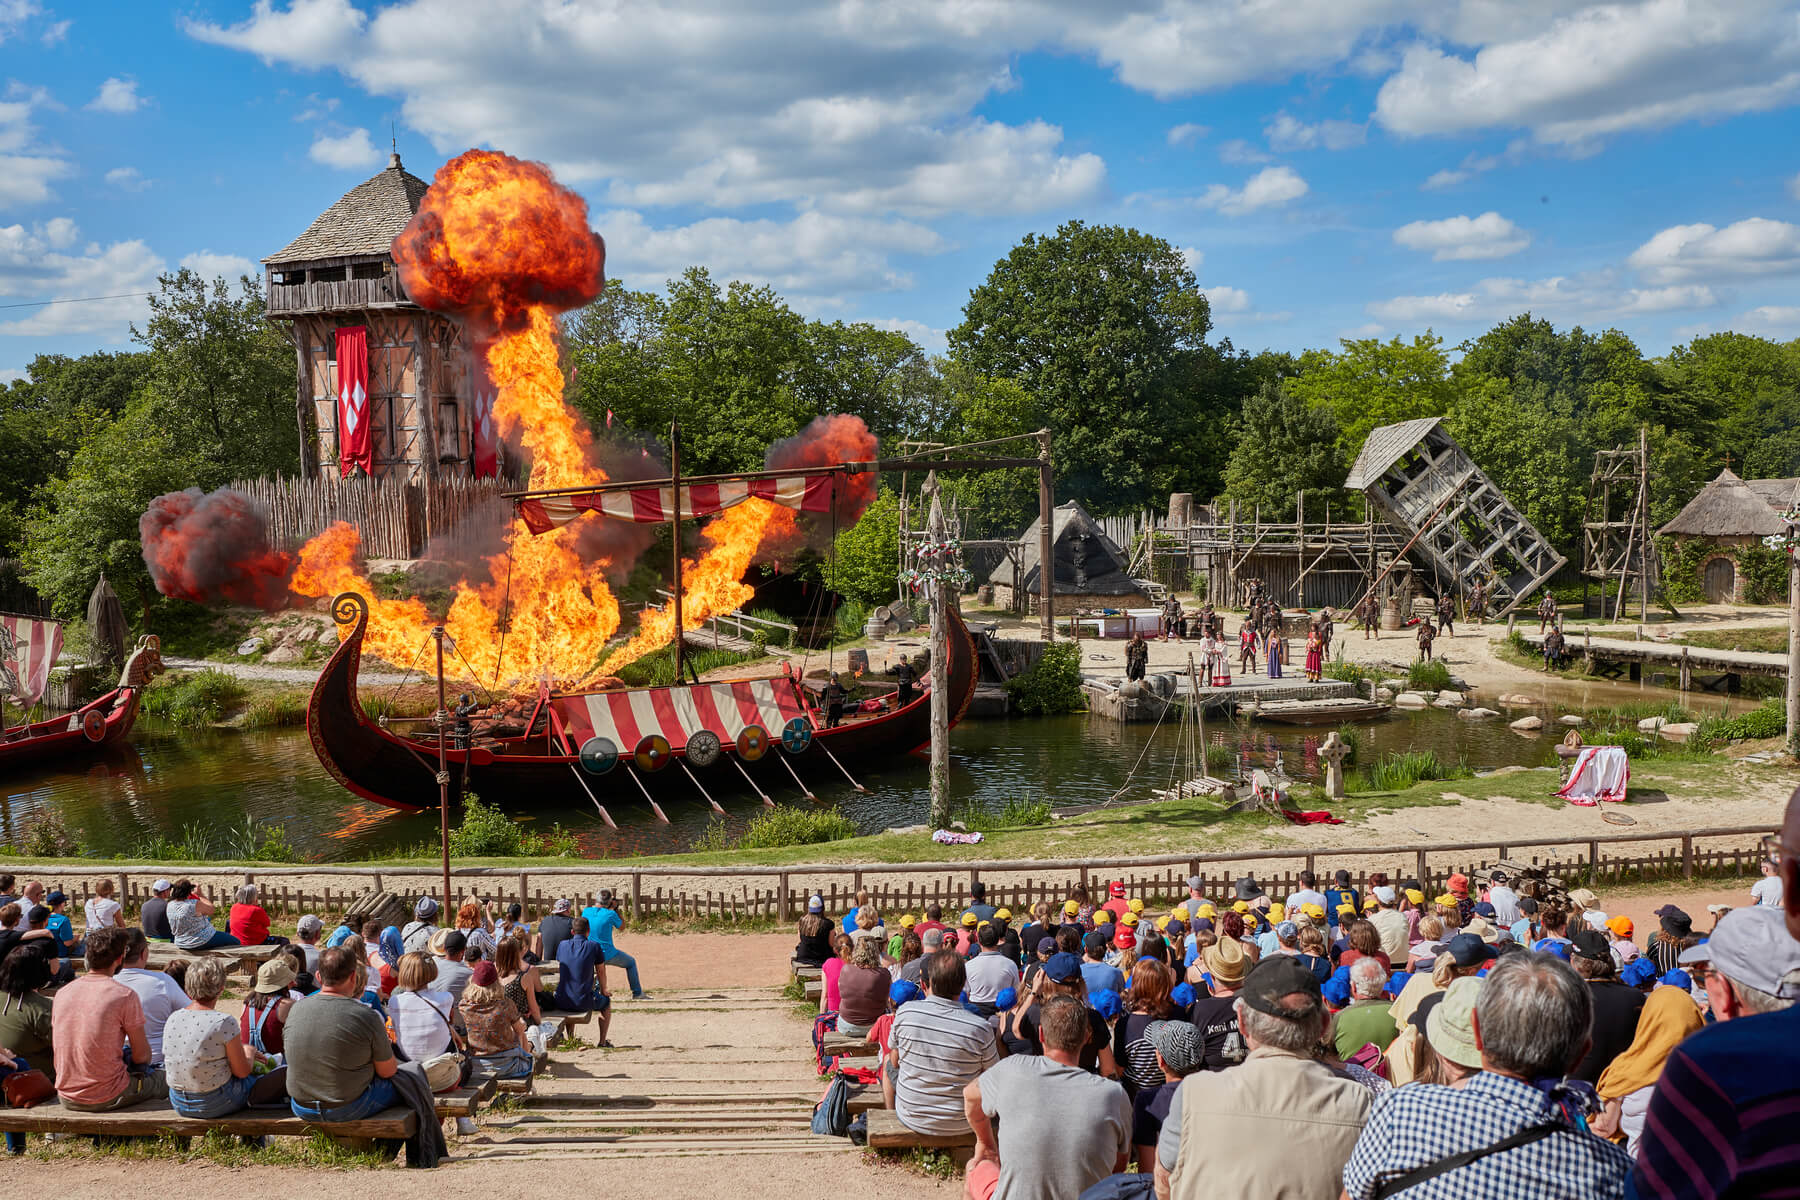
(168, 779)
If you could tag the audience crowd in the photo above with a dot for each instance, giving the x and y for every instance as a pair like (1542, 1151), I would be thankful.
(1483, 1042)
(332, 1028)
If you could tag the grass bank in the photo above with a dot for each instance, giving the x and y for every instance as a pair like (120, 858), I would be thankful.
(1768, 639)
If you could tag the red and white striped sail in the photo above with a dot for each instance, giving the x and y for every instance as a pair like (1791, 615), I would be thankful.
(28, 649)
(627, 717)
(654, 505)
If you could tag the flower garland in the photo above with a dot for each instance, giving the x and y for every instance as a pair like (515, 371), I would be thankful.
(1787, 541)
(939, 562)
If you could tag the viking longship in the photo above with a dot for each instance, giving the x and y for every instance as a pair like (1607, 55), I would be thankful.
(650, 744)
(27, 649)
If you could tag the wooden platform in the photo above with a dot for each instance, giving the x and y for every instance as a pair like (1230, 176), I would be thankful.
(1614, 656)
(465, 1102)
(887, 1133)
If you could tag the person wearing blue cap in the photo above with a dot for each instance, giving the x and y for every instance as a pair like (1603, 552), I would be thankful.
(1676, 978)
(1639, 973)
(1061, 976)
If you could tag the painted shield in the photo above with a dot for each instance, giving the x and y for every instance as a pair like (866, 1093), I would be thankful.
(599, 755)
(703, 748)
(797, 735)
(93, 724)
(752, 742)
(652, 753)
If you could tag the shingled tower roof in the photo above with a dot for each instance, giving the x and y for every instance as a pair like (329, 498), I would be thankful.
(365, 221)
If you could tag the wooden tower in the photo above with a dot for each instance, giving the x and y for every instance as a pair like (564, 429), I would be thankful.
(340, 273)
(1463, 528)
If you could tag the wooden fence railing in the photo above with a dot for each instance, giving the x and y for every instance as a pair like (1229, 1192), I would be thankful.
(780, 892)
(397, 519)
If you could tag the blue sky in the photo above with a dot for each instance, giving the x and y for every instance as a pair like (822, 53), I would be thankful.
(1332, 168)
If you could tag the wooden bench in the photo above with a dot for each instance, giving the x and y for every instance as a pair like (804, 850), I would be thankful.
(566, 1022)
(245, 959)
(803, 972)
(845, 1045)
(866, 1098)
(465, 1102)
(514, 1087)
(887, 1133)
(155, 1118)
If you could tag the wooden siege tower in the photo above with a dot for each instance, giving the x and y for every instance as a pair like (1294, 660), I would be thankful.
(340, 273)
(1463, 528)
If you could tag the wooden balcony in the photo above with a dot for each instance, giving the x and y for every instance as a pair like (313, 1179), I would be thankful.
(340, 295)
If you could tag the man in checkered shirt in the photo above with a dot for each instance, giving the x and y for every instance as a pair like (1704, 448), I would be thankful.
(1533, 1022)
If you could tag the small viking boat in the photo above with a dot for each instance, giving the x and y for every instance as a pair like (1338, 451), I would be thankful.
(565, 747)
(90, 728)
(1317, 712)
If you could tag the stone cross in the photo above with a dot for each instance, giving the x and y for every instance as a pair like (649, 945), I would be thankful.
(1332, 754)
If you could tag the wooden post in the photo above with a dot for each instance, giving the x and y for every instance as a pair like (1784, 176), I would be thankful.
(1422, 868)
(940, 662)
(781, 897)
(637, 892)
(1687, 857)
(1046, 553)
(1793, 665)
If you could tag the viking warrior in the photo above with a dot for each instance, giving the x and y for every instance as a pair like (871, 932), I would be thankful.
(1137, 657)
(1446, 610)
(1427, 635)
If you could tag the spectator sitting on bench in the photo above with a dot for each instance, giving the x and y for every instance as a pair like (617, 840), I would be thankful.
(552, 931)
(989, 971)
(1061, 1131)
(514, 925)
(189, 919)
(603, 918)
(814, 947)
(37, 926)
(581, 979)
(936, 1049)
(306, 935)
(369, 988)
(25, 1024)
(102, 911)
(160, 995)
(496, 1032)
(340, 1060)
(421, 929)
(422, 1017)
(15, 931)
(522, 985)
(249, 920)
(153, 917)
(478, 927)
(841, 945)
(92, 1020)
(303, 984)
(447, 946)
(62, 930)
(268, 1006)
(382, 953)
(211, 1072)
(912, 970)
(344, 930)
(862, 988)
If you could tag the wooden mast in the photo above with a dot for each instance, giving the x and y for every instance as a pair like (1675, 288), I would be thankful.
(675, 535)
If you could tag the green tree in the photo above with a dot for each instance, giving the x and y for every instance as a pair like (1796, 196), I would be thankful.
(1750, 389)
(1099, 324)
(219, 380)
(1369, 382)
(1532, 454)
(866, 560)
(1285, 446)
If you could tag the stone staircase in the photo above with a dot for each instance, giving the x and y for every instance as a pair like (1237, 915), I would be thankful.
(724, 1072)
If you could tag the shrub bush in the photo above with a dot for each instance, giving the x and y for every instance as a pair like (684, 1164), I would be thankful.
(785, 825)
(486, 831)
(192, 700)
(47, 836)
(1014, 812)
(1428, 677)
(1395, 772)
(1052, 686)
(1766, 722)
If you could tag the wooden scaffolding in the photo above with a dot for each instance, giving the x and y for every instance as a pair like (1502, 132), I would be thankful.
(1615, 531)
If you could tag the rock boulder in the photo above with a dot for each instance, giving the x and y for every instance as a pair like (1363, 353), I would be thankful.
(1528, 724)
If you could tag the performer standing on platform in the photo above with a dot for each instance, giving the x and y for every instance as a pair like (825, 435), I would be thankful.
(1427, 635)
(1315, 655)
(1215, 661)
(1368, 611)
(1546, 610)
(1247, 646)
(1277, 645)
(1446, 610)
(1137, 657)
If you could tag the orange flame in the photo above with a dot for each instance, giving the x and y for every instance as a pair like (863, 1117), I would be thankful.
(500, 244)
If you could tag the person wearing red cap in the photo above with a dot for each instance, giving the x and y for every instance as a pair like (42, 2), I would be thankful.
(1116, 903)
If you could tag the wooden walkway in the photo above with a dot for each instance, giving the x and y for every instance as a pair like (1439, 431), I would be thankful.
(1613, 657)
(694, 1073)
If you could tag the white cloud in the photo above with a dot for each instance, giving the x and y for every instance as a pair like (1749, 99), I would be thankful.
(1793, 187)
(1753, 247)
(35, 265)
(346, 152)
(307, 33)
(1287, 133)
(117, 95)
(14, 14)
(55, 32)
(1459, 238)
(128, 178)
(317, 108)
(813, 255)
(1225, 299)
(1578, 298)
(1368, 329)
(1186, 134)
(1782, 320)
(26, 168)
(988, 167)
(1601, 70)
(8, 374)
(1270, 187)
(1191, 258)
(210, 265)
(929, 339)
(1446, 178)
(1240, 153)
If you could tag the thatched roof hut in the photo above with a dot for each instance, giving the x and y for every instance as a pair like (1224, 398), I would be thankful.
(1730, 507)
(1090, 569)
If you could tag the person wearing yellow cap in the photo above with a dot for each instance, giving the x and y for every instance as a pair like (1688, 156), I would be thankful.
(1179, 912)
(1129, 920)
(965, 933)
(970, 920)
(907, 920)
(1102, 916)
(1136, 906)
(1242, 906)
(1307, 893)
(1417, 897)
(1277, 913)
(1206, 910)
(1071, 908)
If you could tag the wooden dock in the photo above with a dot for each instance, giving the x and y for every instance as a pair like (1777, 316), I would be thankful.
(1713, 670)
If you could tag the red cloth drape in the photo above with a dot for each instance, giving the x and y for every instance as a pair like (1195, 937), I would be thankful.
(356, 438)
(483, 434)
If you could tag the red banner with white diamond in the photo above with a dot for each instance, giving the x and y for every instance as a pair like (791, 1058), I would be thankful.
(356, 438)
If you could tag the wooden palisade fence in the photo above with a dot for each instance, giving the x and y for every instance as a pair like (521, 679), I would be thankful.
(396, 519)
(780, 893)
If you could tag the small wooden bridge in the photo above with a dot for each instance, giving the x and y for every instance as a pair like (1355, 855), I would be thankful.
(1714, 670)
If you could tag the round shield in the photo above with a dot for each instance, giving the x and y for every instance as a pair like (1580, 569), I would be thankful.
(599, 755)
(752, 742)
(652, 753)
(703, 748)
(796, 735)
(93, 724)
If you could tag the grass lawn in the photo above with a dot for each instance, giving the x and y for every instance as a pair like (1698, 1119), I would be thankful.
(1770, 639)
